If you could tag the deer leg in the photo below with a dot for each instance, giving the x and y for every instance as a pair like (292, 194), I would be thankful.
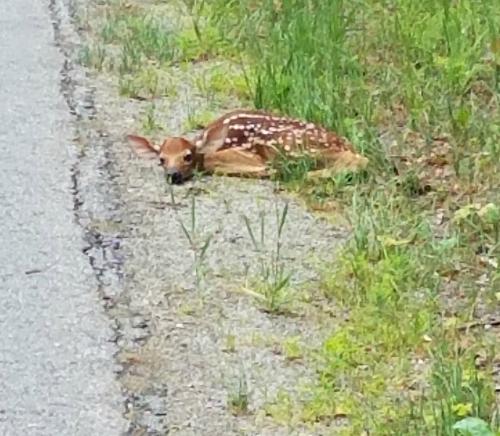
(235, 162)
(334, 162)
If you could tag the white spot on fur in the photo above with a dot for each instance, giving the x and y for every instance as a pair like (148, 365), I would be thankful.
(244, 115)
(310, 126)
(287, 147)
(227, 141)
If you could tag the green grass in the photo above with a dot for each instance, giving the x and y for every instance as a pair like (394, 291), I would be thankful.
(139, 43)
(219, 82)
(415, 86)
(359, 67)
(271, 286)
(239, 397)
(150, 123)
(93, 56)
(394, 366)
(198, 241)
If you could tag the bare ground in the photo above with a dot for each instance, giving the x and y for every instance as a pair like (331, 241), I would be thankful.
(188, 341)
(194, 322)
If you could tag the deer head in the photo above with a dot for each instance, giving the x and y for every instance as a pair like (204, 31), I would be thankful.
(179, 156)
(176, 155)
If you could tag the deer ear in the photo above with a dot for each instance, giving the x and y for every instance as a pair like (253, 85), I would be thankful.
(143, 147)
(213, 139)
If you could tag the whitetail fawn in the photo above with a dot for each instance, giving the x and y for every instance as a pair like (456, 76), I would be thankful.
(243, 142)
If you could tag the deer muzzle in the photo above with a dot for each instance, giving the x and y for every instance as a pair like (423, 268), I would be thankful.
(174, 176)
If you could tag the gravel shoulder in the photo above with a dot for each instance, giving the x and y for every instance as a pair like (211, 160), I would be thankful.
(193, 338)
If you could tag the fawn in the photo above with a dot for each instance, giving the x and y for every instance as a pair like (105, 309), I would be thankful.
(244, 142)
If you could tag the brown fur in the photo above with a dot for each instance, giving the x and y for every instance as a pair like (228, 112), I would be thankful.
(243, 142)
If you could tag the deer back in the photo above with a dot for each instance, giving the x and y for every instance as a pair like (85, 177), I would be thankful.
(267, 134)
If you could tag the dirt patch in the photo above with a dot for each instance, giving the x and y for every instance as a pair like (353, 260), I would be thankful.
(199, 354)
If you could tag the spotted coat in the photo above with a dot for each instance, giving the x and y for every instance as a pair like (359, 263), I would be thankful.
(266, 134)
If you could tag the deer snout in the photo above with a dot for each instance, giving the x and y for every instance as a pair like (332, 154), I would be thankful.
(174, 176)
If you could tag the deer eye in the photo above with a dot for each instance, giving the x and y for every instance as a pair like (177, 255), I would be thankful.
(162, 161)
(188, 157)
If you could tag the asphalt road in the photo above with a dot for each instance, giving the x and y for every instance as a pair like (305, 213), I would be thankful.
(56, 360)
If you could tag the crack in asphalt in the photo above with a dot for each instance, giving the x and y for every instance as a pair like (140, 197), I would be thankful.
(130, 327)
(167, 328)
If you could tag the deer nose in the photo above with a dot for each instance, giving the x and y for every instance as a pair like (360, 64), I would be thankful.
(174, 176)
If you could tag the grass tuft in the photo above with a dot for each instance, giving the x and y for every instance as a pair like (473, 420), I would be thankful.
(272, 285)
